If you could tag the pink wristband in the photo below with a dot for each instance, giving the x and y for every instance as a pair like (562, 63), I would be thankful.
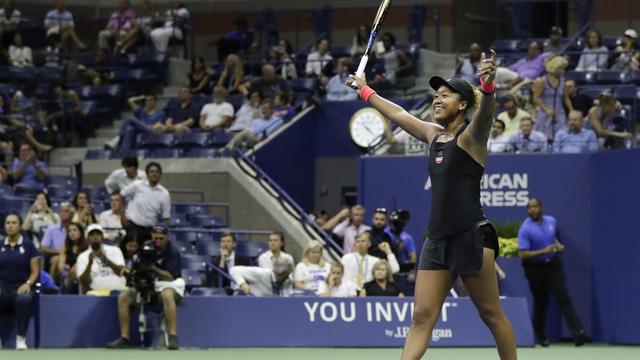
(365, 93)
(487, 88)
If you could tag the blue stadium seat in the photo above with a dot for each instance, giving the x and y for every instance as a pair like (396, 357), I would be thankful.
(208, 247)
(193, 139)
(98, 193)
(580, 77)
(20, 190)
(191, 236)
(49, 74)
(506, 45)
(192, 278)
(100, 206)
(178, 220)
(200, 153)
(303, 84)
(593, 91)
(156, 140)
(61, 180)
(207, 291)
(190, 209)
(206, 221)
(5, 190)
(340, 51)
(236, 100)
(611, 41)
(186, 249)
(195, 262)
(634, 77)
(610, 77)
(61, 192)
(251, 248)
(626, 94)
(220, 139)
(165, 153)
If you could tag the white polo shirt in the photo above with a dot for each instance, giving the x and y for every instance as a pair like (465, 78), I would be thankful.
(111, 223)
(119, 180)
(215, 112)
(355, 264)
(261, 281)
(147, 205)
(102, 276)
(265, 260)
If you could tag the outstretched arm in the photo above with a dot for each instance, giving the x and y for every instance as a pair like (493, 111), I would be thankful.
(480, 126)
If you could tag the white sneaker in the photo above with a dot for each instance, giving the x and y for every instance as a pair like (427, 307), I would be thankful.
(113, 143)
(21, 343)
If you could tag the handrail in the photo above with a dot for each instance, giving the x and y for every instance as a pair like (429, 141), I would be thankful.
(574, 38)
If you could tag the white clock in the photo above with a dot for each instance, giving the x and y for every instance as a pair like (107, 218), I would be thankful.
(367, 127)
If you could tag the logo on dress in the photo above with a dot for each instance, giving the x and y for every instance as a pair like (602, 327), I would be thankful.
(439, 157)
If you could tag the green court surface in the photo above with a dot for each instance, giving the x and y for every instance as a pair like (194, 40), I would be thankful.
(561, 352)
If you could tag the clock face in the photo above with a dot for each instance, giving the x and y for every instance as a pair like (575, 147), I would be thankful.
(367, 127)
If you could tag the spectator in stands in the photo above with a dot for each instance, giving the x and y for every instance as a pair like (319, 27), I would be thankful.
(199, 79)
(27, 171)
(575, 139)
(148, 119)
(176, 18)
(378, 236)
(276, 251)
(319, 61)
(101, 72)
(498, 141)
(111, 220)
(19, 271)
(529, 67)
(121, 22)
(286, 63)
(182, 114)
(129, 247)
(358, 265)
(512, 115)
(550, 99)
(347, 224)
(401, 239)
(40, 216)
(74, 245)
(232, 76)
(554, 44)
(53, 239)
(396, 64)
(237, 41)
(14, 132)
(218, 114)
(20, 55)
(146, 21)
(312, 270)
(259, 281)
(147, 202)
(467, 67)
(336, 88)
(254, 61)
(248, 112)
(59, 22)
(9, 21)
(282, 106)
(270, 84)
(382, 282)
(169, 287)
(121, 178)
(608, 122)
(52, 57)
(360, 41)
(594, 55)
(99, 268)
(260, 128)
(528, 140)
(578, 101)
(84, 210)
(627, 59)
(320, 217)
(228, 257)
(335, 285)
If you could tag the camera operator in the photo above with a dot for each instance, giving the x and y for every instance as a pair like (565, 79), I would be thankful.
(100, 266)
(400, 238)
(159, 259)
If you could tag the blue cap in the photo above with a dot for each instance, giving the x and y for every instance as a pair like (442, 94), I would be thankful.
(160, 228)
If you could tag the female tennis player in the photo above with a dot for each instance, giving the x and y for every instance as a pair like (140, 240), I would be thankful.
(462, 241)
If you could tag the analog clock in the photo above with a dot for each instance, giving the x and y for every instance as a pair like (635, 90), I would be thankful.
(367, 127)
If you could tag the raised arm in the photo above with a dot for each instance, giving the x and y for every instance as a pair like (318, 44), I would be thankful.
(480, 126)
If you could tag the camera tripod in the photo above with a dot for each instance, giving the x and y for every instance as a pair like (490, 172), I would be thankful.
(143, 300)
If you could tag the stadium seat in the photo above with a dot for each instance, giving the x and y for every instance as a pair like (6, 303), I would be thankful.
(192, 236)
(611, 41)
(610, 77)
(207, 291)
(5, 190)
(593, 91)
(193, 139)
(185, 248)
(156, 140)
(220, 139)
(634, 77)
(208, 247)
(61, 192)
(192, 278)
(303, 84)
(251, 248)
(580, 77)
(200, 153)
(205, 221)
(190, 209)
(165, 153)
(626, 94)
(61, 180)
(506, 45)
(98, 193)
(195, 262)
(236, 100)
(178, 220)
(20, 190)
(340, 51)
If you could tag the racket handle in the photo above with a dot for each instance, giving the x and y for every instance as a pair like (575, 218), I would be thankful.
(360, 72)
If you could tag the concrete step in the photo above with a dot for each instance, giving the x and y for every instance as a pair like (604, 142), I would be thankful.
(97, 142)
(107, 132)
(67, 155)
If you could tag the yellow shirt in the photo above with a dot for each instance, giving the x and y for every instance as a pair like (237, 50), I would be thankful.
(512, 125)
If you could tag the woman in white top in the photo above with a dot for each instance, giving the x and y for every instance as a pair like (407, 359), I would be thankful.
(19, 54)
(335, 285)
(40, 216)
(312, 270)
(248, 112)
(276, 246)
(594, 55)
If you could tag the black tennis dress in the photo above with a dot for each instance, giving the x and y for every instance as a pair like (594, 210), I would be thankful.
(457, 225)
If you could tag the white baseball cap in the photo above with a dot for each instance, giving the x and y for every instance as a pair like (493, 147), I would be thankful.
(94, 227)
(631, 33)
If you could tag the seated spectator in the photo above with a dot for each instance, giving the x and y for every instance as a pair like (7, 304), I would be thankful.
(269, 84)
(575, 139)
(554, 43)
(19, 271)
(608, 122)
(282, 106)
(14, 132)
(67, 121)
(259, 281)
(319, 61)
(512, 115)
(53, 239)
(129, 247)
(232, 77)
(337, 90)
(396, 64)
(529, 67)
(284, 58)
(9, 21)
(121, 178)
(217, 114)
(335, 285)
(238, 41)
(121, 23)
(40, 216)
(594, 55)
(27, 171)
(248, 112)
(175, 19)
(578, 101)
(498, 141)
(182, 114)
(528, 140)
(59, 22)
(379, 235)
(360, 41)
(146, 21)
(99, 73)
(401, 239)
(199, 79)
(99, 268)
(358, 265)
(148, 119)
(228, 258)
(74, 245)
(550, 99)
(52, 58)
(312, 270)
(627, 59)
(276, 251)
(467, 67)
(260, 128)
(347, 224)
(382, 283)
(20, 55)
(84, 210)
(111, 220)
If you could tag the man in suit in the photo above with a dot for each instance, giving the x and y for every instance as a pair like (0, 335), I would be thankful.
(228, 257)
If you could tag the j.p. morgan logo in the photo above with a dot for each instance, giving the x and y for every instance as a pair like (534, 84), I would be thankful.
(501, 189)
(401, 332)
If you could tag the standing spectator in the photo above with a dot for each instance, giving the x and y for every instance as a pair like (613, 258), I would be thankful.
(181, 114)
(539, 249)
(20, 55)
(312, 270)
(382, 282)
(84, 210)
(378, 234)
(121, 178)
(401, 239)
(319, 60)
(121, 22)
(284, 55)
(348, 224)
(146, 21)
(554, 44)
(575, 139)
(40, 216)
(232, 77)
(74, 245)
(337, 90)
(9, 21)
(260, 128)
(19, 271)
(99, 268)
(228, 257)
(335, 285)
(269, 84)
(528, 140)
(148, 119)
(53, 239)
(259, 281)
(59, 22)
(608, 122)
(111, 220)
(199, 79)
(396, 63)
(467, 67)
(550, 99)
(27, 171)
(498, 142)
(578, 101)
(627, 59)
(594, 55)
(360, 41)
(175, 19)
(147, 202)
(248, 112)
(512, 115)
(276, 251)
(217, 114)
(358, 265)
